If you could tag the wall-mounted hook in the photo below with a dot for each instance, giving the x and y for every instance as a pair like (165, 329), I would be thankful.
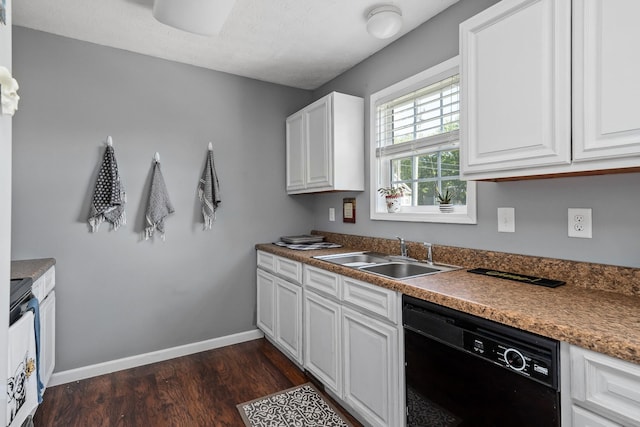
(109, 141)
(156, 157)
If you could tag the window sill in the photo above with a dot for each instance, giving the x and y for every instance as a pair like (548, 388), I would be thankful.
(447, 218)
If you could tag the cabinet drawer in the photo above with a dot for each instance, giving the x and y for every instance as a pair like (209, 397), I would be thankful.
(289, 269)
(283, 267)
(370, 298)
(322, 281)
(266, 261)
(583, 418)
(608, 386)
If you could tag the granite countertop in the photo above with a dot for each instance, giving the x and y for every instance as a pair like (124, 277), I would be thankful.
(33, 268)
(602, 321)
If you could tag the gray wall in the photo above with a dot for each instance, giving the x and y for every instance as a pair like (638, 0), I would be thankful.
(540, 205)
(117, 295)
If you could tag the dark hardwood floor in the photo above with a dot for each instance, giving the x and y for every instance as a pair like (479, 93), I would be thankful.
(202, 389)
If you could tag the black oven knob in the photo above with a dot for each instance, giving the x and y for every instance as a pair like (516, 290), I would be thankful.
(515, 359)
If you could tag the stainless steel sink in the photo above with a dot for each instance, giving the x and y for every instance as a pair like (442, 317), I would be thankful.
(386, 265)
(355, 259)
(405, 270)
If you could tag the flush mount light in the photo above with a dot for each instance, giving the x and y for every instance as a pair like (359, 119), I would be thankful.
(204, 17)
(384, 22)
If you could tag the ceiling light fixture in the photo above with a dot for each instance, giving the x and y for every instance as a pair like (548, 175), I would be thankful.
(204, 17)
(384, 21)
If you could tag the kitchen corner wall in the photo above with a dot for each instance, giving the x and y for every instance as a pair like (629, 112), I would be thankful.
(540, 205)
(118, 295)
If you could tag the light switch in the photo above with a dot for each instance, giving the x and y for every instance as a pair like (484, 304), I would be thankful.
(506, 220)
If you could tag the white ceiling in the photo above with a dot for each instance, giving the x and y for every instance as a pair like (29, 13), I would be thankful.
(299, 43)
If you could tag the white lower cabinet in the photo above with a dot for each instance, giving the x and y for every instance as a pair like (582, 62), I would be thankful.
(352, 344)
(47, 337)
(322, 344)
(288, 331)
(266, 285)
(279, 305)
(604, 391)
(43, 290)
(345, 332)
(370, 367)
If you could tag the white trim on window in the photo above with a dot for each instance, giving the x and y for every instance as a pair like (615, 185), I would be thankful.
(414, 214)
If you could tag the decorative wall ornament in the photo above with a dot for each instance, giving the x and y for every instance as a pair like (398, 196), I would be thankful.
(8, 92)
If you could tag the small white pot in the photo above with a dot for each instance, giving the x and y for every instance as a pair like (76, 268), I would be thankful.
(393, 204)
(446, 207)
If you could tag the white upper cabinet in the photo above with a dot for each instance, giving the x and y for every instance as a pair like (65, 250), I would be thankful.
(295, 153)
(549, 87)
(606, 83)
(516, 87)
(325, 146)
(317, 118)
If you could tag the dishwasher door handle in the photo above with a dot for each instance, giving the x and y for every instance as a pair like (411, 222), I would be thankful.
(433, 326)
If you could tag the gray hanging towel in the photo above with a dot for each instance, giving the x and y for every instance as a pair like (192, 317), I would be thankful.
(209, 191)
(159, 206)
(108, 197)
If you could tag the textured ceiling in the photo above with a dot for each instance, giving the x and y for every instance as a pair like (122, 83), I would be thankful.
(299, 43)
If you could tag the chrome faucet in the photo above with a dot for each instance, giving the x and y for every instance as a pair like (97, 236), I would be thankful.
(403, 247)
(429, 253)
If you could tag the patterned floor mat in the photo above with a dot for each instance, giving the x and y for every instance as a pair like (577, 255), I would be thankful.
(297, 406)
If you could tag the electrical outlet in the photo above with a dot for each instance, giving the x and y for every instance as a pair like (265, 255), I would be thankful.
(579, 222)
(332, 214)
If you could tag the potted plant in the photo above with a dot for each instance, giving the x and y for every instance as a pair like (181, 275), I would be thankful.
(444, 199)
(392, 197)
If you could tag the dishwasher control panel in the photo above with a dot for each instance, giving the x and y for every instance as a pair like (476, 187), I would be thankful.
(534, 364)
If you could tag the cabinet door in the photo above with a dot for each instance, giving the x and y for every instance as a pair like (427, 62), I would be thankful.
(606, 123)
(516, 87)
(266, 284)
(319, 148)
(47, 337)
(322, 346)
(288, 328)
(295, 152)
(371, 368)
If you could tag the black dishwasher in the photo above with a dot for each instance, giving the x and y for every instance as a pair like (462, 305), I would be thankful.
(462, 370)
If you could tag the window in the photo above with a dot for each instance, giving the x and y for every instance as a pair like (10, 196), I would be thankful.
(414, 145)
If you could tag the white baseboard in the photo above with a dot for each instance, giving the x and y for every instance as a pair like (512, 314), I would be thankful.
(77, 374)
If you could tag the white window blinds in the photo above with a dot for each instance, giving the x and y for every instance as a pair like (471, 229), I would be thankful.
(419, 119)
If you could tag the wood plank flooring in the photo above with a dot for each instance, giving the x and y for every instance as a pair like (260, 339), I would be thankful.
(202, 389)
